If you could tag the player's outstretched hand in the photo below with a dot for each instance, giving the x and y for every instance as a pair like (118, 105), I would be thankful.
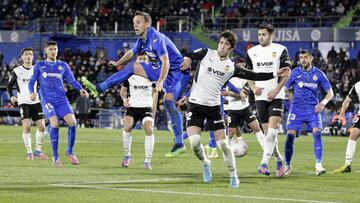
(126, 103)
(113, 63)
(284, 72)
(319, 107)
(33, 96)
(272, 94)
(84, 93)
(186, 64)
(159, 85)
(258, 91)
(13, 100)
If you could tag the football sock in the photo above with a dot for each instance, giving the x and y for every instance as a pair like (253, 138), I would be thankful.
(176, 121)
(228, 156)
(149, 147)
(126, 137)
(27, 142)
(54, 137)
(212, 141)
(318, 146)
(269, 145)
(350, 150)
(289, 148)
(260, 138)
(39, 136)
(71, 139)
(198, 148)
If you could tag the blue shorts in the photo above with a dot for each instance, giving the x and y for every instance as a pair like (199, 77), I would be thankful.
(295, 121)
(58, 109)
(175, 82)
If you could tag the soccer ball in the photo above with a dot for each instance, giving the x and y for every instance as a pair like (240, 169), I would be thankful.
(239, 147)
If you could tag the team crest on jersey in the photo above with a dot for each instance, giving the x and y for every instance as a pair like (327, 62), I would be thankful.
(227, 68)
(315, 78)
(274, 54)
(60, 68)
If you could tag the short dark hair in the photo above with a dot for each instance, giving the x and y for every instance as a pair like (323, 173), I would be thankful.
(270, 28)
(26, 49)
(306, 51)
(146, 16)
(54, 43)
(230, 36)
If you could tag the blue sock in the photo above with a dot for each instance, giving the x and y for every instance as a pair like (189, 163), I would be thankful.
(212, 141)
(54, 138)
(289, 148)
(185, 136)
(176, 120)
(116, 78)
(318, 146)
(71, 139)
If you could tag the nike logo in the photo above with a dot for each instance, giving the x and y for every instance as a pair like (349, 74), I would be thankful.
(43, 66)
(155, 40)
(298, 76)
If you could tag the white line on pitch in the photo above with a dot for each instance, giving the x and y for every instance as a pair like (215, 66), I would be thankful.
(192, 193)
(124, 181)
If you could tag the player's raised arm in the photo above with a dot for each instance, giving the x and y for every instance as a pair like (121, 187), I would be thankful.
(124, 94)
(284, 63)
(32, 81)
(127, 56)
(69, 77)
(198, 54)
(10, 85)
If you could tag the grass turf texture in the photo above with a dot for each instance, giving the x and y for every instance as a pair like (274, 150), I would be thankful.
(99, 177)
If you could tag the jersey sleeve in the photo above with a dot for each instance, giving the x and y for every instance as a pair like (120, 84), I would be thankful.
(324, 82)
(137, 46)
(69, 77)
(126, 84)
(34, 78)
(291, 80)
(197, 54)
(250, 75)
(285, 59)
(352, 93)
(12, 81)
(249, 64)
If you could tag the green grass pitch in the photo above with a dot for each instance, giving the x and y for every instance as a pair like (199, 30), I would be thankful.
(99, 177)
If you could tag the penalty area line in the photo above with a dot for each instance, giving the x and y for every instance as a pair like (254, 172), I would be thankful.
(189, 193)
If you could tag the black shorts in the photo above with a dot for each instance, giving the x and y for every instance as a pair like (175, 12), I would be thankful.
(266, 109)
(357, 122)
(236, 116)
(33, 111)
(196, 115)
(138, 113)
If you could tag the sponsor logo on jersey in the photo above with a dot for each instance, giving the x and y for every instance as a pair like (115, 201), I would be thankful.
(215, 72)
(227, 68)
(140, 87)
(274, 54)
(26, 79)
(307, 84)
(265, 63)
(315, 78)
(57, 75)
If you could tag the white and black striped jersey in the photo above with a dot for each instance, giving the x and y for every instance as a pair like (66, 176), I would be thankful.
(21, 77)
(212, 74)
(268, 59)
(354, 93)
(140, 89)
(236, 103)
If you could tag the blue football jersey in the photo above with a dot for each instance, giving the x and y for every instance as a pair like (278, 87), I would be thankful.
(50, 76)
(157, 45)
(306, 86)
